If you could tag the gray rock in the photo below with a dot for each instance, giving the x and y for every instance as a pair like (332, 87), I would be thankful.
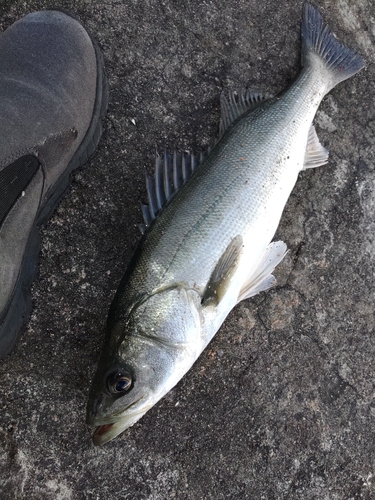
(282, 403)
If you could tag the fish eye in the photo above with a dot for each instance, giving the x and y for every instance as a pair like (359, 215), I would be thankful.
(120, 382)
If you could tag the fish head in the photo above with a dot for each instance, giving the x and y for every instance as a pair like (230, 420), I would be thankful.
(144, 357)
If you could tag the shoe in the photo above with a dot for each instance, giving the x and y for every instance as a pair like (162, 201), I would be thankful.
(53, 94)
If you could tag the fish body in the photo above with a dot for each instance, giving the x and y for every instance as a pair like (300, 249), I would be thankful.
(209, 246)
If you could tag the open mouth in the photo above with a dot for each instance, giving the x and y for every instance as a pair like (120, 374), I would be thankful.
(102, 429)
(106, 432)
(102, 434)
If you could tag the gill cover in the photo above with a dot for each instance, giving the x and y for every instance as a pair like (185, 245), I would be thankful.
(161, 342)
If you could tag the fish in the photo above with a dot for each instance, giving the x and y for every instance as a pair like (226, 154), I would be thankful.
(208, 230)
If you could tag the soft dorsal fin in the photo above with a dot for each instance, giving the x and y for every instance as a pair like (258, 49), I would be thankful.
(236, 104)
(223, 272)
(316, 155)
(261, 278)
(171, 172)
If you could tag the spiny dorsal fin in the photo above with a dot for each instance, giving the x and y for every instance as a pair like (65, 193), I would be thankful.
(223, 272)
(262, 279)
(171, 172)
(316, 155)
(236, 104)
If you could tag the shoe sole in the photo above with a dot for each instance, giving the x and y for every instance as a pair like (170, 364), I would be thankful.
(19, 309)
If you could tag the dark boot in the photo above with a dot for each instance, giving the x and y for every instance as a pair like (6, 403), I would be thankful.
(53, 92)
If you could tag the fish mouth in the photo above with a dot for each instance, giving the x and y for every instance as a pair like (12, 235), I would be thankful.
(100, 432)
(108, 431)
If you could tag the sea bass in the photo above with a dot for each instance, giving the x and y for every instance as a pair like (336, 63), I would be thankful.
(208, 230)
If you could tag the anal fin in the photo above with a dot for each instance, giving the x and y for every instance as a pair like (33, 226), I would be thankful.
(316, 155)
(261, 278)
(223, 272)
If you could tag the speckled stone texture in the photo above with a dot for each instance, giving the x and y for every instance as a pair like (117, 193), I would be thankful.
(281, 405)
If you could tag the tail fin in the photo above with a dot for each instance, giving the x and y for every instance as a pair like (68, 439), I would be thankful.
(318, 43)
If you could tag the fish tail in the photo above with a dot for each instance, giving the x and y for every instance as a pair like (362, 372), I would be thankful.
(319, 46)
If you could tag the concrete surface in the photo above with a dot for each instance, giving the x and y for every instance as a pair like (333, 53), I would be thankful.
(282, 403)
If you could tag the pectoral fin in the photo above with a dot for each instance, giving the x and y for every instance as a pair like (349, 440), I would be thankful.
(223, 272)
(261, 278)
